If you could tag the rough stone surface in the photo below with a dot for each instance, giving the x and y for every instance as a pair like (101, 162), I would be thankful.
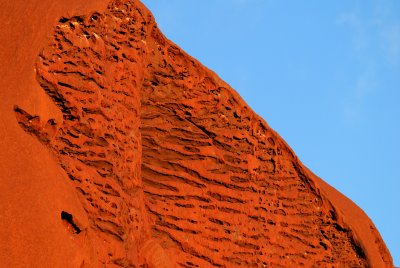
(135, 155)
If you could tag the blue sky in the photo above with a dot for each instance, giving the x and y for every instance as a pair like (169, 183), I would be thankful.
(324, 74)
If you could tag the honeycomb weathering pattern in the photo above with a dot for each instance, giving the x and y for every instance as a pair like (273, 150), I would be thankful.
(171, 166)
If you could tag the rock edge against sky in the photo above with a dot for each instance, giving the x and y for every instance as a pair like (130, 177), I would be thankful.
(119, 149)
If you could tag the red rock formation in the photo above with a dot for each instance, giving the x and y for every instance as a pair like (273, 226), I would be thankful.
(148, 159)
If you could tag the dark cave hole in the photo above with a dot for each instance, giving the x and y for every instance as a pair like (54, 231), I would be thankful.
(68, 218)
(63, 20)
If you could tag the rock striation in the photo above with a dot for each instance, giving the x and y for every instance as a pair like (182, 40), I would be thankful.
(162, 163)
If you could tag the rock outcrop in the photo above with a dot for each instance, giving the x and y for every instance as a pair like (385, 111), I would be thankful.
(159, 163)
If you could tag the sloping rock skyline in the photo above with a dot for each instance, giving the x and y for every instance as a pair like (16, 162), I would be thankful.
(130, 153)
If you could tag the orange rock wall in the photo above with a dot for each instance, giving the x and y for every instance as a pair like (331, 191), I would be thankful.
(162, 164)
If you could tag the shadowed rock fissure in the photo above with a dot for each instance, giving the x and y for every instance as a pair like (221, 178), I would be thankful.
(68, 219)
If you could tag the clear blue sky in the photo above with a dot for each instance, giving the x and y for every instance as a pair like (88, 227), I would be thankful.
(324, 74)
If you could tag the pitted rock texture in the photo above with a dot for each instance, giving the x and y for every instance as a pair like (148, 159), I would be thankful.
(98, 141)
(171, 166)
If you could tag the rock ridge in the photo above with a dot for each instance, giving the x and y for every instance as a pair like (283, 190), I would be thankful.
(170, 167)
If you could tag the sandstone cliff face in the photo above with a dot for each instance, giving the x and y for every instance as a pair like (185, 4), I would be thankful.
(169, 166)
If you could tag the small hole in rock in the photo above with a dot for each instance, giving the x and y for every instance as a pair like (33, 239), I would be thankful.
(68, 219)
(63, 20)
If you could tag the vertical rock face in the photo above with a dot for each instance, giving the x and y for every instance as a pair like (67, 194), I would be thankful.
(93, 70)
(169, 164)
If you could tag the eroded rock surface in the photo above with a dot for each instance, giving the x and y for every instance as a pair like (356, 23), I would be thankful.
(171, 166)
